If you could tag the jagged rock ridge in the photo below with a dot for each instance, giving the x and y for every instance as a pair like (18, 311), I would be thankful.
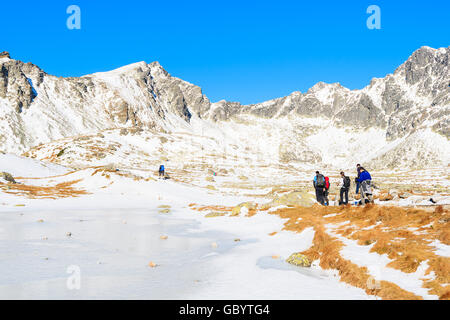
(36, 107)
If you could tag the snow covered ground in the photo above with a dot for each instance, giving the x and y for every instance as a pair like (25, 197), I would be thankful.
(116, 234)
(136, 237)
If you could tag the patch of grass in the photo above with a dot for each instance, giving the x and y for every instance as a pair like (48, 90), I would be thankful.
(60, 190)
(390, 234)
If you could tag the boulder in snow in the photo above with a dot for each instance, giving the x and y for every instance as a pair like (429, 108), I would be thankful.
(8, 177)
(298, 259)
(238, 209)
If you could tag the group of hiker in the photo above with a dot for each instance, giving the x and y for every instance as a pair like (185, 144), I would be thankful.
(322, 185)
(363, 186)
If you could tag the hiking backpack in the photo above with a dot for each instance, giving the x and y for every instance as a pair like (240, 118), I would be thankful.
(346, 182)
(320, 181)
(327, 183)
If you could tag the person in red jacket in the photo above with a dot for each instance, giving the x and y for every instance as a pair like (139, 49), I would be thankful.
(327, 188)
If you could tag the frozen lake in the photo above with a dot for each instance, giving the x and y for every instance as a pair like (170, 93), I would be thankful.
(112, 248)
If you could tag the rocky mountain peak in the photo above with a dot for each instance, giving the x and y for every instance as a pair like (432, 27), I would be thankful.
(38, 108)
(5, 54)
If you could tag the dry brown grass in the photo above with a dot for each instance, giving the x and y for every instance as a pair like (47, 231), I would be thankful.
(390, 234)
(210, 208)
(384, 195)
(224, 209)
(326, 248)
(60, 190)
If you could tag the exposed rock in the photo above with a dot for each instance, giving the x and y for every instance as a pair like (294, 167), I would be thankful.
(404, 195)
(8, 177)
(394, 192)
(385, 197)
(298, 259)
(297, 151)
(223, 171)
(5, 54)
(294, 198)
(215, 214)
(110, 167)
(237, 209)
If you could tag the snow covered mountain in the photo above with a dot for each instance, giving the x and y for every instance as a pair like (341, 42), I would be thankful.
(402, 119)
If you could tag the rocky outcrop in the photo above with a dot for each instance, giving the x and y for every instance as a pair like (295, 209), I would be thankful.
(416, 93)
(5, 54)
(245, 206)
(299, 260)
(16, 86)
(7, 177)
(294, 198)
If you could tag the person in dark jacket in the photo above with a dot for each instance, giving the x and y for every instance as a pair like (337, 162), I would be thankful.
(319, 186)
(344, 186)
(358, 167)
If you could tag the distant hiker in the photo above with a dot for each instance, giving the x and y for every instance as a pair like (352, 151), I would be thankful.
(365, 181)
(344, 186)
(161, 171)
(319, 185)
(326, 190)
(358, 166)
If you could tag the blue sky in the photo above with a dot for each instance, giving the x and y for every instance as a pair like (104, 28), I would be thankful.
(247, 51)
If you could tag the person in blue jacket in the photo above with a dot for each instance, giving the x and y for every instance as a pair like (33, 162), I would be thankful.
(365, 181)
(161, 171)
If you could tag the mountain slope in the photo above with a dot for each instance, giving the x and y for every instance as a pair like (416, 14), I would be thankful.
(395, 120)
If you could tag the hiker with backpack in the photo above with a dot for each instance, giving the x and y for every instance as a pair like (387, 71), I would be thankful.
(326, 191)
(358, 166)
(365, 181)
(319, 186)
(161, 171)
(344, 186)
